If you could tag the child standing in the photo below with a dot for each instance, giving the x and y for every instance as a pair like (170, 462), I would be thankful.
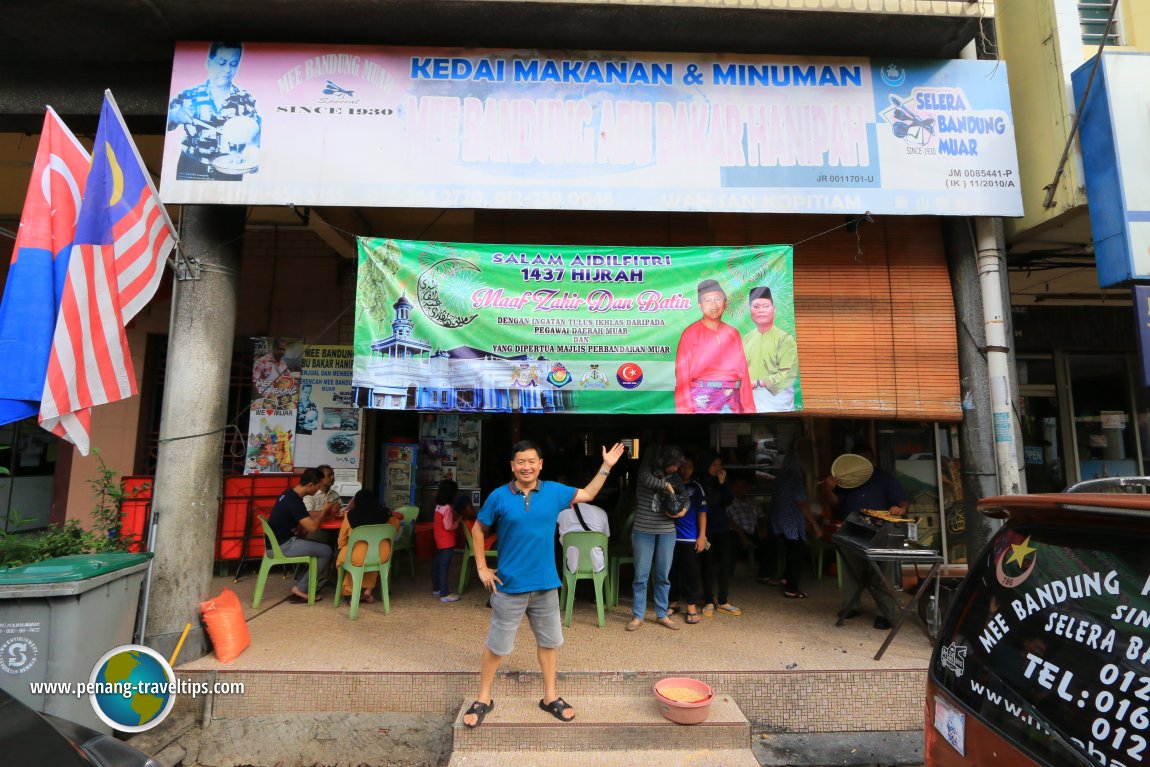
(445, 524)
(690, 541)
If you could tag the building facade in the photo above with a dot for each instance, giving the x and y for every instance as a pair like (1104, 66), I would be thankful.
(1082, 404)
(874, 296)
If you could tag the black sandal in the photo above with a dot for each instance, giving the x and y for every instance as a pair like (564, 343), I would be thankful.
(480, 710)
(556, 709)
(693, 618)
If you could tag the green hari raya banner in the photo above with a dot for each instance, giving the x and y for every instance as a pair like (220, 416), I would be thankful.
(590, 329)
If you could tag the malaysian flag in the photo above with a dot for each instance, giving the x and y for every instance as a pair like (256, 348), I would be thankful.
(39, 265)
(123, 237)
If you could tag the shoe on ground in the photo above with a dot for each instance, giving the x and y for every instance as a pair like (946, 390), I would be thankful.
(847, 614)
(450, 598)
(635, 624)
(881, 623)
(708, 610)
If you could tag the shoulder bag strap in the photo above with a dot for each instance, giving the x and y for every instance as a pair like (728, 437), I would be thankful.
(581, 520)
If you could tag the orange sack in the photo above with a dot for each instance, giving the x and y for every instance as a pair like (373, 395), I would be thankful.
(224, 618)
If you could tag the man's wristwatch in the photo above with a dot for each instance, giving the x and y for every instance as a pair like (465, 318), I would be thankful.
(604, 473)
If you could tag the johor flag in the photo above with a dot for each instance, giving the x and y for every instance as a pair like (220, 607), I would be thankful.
(123, 237)
(39, 264)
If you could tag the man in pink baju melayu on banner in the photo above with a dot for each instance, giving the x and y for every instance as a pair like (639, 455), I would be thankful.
(711, 374)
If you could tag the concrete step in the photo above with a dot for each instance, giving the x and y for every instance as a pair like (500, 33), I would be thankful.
(698, 757)
(621, 723)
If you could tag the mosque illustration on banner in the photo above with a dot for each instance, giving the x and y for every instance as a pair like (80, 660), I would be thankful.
(404, 373)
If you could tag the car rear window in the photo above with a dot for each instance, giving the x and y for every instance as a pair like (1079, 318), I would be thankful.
(1048, 641)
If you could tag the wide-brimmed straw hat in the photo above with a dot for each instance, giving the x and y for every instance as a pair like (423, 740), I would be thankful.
(851, 470)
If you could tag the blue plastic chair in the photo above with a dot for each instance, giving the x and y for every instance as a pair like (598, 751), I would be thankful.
(584, 541)
(273, 556)
(373, 536)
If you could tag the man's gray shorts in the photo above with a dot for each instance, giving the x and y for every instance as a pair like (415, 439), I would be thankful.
(542, 608)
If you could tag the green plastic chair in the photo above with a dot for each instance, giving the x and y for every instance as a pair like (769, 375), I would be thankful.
(469, 554)
(405, 542)
(273, 556)
(410, 513)
(373, 535)
(622, 555)
(584, 541)
(819, 549)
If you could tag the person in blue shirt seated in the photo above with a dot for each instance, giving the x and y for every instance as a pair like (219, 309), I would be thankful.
(525, 512)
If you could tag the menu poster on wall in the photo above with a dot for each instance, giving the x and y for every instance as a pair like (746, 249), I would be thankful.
(327, 424)
(303, 413)
(398, 479)
(275, 395)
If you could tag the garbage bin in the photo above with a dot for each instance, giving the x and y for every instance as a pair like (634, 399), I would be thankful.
(58, 617)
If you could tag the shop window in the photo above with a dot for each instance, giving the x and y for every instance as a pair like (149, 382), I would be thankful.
(1092, 16)
(911, 447)
(1038, 410)
(1042, 440)
(953, 508)
(1104, 434)
(28, 454)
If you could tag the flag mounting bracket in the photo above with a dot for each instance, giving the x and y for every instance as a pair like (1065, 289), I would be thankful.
(186, 267)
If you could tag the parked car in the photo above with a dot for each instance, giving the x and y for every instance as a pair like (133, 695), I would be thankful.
(32, 739)
(1043, 657)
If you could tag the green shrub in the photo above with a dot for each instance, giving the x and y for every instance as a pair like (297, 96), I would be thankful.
(22, 548)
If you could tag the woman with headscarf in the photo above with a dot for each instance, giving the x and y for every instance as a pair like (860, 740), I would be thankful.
(653, 537)
(364, 509)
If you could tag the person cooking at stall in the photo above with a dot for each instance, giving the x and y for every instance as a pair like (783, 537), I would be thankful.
(863, 486)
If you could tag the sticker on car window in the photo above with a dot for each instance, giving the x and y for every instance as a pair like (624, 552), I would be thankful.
(951, 723)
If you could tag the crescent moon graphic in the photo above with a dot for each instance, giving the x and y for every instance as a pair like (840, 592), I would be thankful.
(629, 372)
(117, 176)
(56, 163)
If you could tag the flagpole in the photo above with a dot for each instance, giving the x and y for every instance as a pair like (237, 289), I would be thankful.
(191, 265)
(147, 176)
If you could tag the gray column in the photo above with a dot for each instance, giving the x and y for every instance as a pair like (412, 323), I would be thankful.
(976, 433)
(186, 497)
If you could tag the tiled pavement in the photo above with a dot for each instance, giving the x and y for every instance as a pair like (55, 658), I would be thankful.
(783, 661)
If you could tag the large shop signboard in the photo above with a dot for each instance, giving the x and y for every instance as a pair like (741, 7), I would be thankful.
(501, 328)
(268, 124)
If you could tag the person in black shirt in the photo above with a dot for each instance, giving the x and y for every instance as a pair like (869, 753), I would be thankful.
(291, 523)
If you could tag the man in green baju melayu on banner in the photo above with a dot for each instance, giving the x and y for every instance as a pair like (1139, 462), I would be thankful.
(772, 356)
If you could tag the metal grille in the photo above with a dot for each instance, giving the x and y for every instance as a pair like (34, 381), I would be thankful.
(239, 402)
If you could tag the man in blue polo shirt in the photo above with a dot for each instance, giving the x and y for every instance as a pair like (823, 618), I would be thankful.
(524, 512)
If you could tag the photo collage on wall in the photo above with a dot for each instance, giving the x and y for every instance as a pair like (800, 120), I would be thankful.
(449, 450)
